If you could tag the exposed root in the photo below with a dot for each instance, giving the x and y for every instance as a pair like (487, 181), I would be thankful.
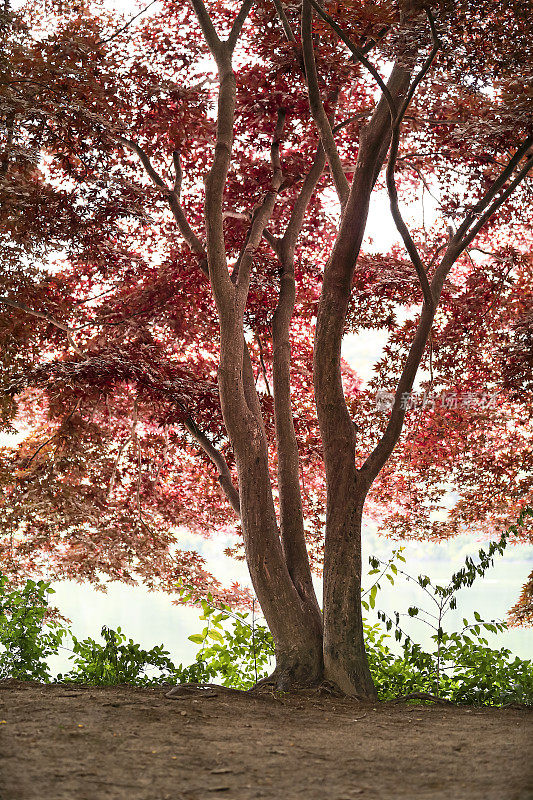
(184, 690)
(423, 696)
(280, 681)
(268, 682)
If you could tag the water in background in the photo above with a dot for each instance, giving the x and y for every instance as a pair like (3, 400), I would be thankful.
(150, 618)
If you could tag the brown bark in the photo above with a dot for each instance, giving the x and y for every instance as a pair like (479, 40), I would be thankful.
(345, 661)
(291, 511)
(344, 657)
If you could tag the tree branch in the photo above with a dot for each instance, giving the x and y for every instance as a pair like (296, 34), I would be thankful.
(239, 21)
(498, 184)
(289, 34)
(285, 22)
(357, 54)
(263, 365)
(126, 26)
(172, 195)
(216, 457)
(385, 446)
(263, 212)
(287, 243)
(317, 108)
(495, 206)
(336, 425)
(393, 155)
(22, 307)
(288, 467)
(208, 29)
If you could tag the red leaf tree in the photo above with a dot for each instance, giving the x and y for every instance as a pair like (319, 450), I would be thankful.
(184, 204)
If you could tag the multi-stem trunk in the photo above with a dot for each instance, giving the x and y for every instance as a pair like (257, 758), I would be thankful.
(279, 567)
(286, 596)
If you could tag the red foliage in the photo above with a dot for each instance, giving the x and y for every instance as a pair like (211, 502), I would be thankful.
(109, 335)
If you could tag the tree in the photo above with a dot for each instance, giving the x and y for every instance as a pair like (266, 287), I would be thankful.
(118, 376)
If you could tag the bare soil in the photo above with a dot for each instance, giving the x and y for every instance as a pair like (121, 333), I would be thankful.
(87, 743)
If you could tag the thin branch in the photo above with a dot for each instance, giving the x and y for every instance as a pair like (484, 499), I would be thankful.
(208, 29)
(437, 44)
(357, 54)
(288, 242)
(391, 184)
(289, 34)
(216, 457)
(239, 21)
(122, 447)
(262, 362)
(263, 212)
(22, 307)
(126, 26)
(273, 241)
(317, 108)
(145, 161)
(54, 435)
(285, 22)
(494, 207)
(178, 173)
(498, 184)
(354, 118)
(172, 195)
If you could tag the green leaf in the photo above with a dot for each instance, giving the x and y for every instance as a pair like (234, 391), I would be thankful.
(197, 638)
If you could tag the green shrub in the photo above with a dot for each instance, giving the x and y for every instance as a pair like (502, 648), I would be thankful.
(117, 660)
(237, 655)
(26, 642)
(462, 667)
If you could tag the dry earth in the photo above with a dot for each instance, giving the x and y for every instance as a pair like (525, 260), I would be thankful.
(86, 743)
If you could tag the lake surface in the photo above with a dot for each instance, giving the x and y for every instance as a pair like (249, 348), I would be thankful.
(150, 618)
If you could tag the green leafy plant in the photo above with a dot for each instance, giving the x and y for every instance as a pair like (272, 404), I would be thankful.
(26, 638)
(234, 649)
(117, 660)
(462, 667)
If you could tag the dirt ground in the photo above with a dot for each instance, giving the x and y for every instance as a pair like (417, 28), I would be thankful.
(86, 743)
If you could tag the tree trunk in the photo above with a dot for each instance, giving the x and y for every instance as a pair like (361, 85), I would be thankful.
(345, 660)
(293, 619)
